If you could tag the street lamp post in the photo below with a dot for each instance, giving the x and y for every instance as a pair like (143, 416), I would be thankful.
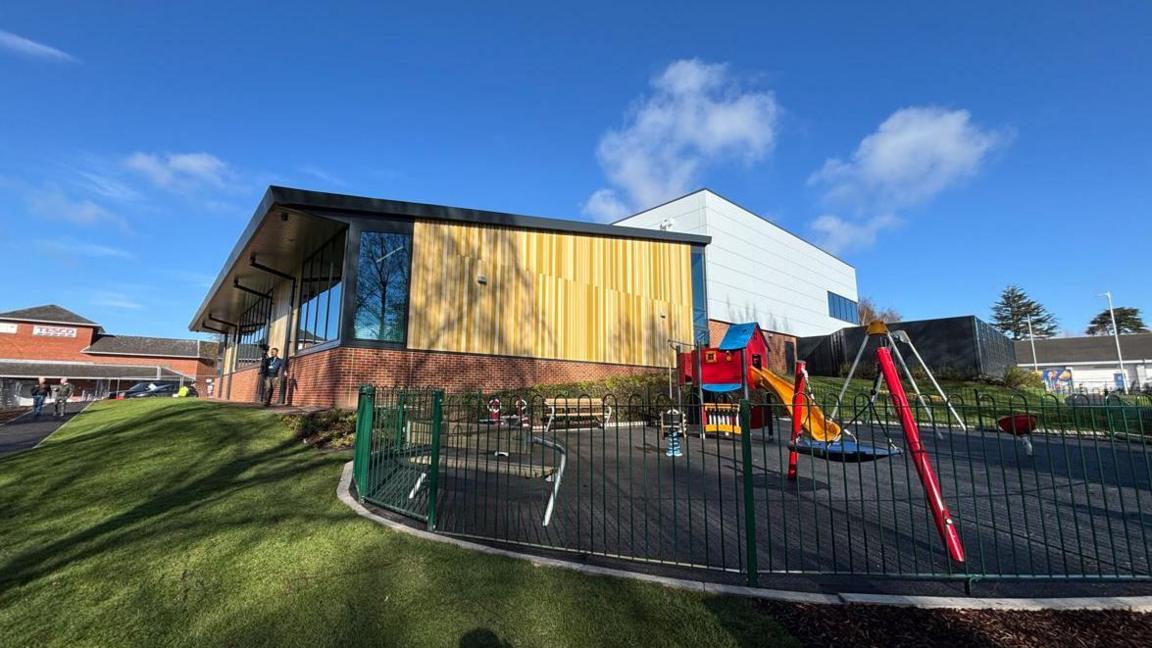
(1032, 340)
(1116, 336)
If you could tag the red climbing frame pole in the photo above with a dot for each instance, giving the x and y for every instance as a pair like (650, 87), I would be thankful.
(944, 524)
(798, 412)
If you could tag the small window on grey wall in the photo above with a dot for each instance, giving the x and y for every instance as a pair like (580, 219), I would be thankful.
(383, 269)
(842, 308)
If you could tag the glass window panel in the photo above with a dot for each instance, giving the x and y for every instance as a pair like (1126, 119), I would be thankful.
(320, 278)
(842, 308)
(699, 298)
(383, 268)
(253, 333)
(317, 290)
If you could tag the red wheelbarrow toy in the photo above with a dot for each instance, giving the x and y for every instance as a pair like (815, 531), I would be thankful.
(1021, 425)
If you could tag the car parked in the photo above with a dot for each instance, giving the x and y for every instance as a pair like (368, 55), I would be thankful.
(153, 389)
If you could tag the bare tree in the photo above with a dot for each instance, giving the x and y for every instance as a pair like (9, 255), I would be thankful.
(869, 312)
(382, 290)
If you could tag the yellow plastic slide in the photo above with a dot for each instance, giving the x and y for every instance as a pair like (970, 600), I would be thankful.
(815, 422)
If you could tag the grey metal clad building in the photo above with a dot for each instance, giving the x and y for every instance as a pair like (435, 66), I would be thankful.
(953, 347)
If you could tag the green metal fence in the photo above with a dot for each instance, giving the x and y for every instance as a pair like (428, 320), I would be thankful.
(597, 477)
(397, 451)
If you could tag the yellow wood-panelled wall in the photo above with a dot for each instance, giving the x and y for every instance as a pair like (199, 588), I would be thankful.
(547, 294)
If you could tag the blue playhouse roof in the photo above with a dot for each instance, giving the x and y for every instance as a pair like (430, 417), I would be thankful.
(738, 336)
(720, 388)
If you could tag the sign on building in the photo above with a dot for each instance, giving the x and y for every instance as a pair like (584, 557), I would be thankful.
(54, 331)
(8, 327)
(1058, 380)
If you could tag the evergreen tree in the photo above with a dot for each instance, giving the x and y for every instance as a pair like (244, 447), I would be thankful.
(1011, 312)
(1128, 320)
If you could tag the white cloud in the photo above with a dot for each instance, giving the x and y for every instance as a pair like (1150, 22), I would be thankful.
(56, 205)
(28, 47)
(321, 175)
(71, 249)
(179, 171)
(836, 234)
(104, 186)
(913, 156)
(695, 115)
(606, 205)
(114, 300)
(198, 279)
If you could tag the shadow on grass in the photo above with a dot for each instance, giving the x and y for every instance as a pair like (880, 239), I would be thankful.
(482, 638)
(80, 472)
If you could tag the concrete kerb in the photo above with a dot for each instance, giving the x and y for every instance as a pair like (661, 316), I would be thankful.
(1128, 603)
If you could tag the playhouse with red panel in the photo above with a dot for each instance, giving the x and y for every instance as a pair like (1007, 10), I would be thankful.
(727, 367)
(721, 365)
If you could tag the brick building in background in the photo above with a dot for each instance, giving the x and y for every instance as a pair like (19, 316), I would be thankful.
(54, 342)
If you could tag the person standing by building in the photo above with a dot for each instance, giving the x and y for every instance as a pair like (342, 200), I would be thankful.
(40, 392)
(63, 392)
(270, 369)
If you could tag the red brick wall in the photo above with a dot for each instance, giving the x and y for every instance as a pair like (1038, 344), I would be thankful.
(716, 332)
(188, 366)
(244, 386)
(22, 345)
(331, 378)
(777, 360)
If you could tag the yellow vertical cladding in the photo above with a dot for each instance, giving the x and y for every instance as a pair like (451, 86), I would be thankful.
(547, 294)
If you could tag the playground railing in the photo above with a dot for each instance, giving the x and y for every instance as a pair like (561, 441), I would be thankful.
(1049, 488)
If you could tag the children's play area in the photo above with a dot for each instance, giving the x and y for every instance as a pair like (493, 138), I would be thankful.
(744, 475)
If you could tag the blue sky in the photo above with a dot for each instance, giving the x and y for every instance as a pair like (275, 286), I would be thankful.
(944, 150)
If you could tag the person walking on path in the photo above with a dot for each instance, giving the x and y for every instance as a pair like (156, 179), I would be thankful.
(40, 392)
(63, 393)
(270, 369)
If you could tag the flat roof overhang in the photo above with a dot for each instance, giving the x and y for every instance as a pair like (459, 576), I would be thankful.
(32, 369)
(290, 223)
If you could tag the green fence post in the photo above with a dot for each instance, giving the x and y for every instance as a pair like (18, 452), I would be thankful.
(398, 441)
(365, 409)
(434, 463)
(749, 495)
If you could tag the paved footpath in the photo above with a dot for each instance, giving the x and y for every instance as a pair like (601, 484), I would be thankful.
(25, 433)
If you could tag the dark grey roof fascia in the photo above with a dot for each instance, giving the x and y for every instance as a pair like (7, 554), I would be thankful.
(254, 222)
(305, 199)
(290, 197)
(85, 371)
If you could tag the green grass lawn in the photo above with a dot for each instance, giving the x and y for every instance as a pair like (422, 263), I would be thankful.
(183, 522)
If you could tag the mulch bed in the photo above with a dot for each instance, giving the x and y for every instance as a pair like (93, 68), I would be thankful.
(874, 625)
